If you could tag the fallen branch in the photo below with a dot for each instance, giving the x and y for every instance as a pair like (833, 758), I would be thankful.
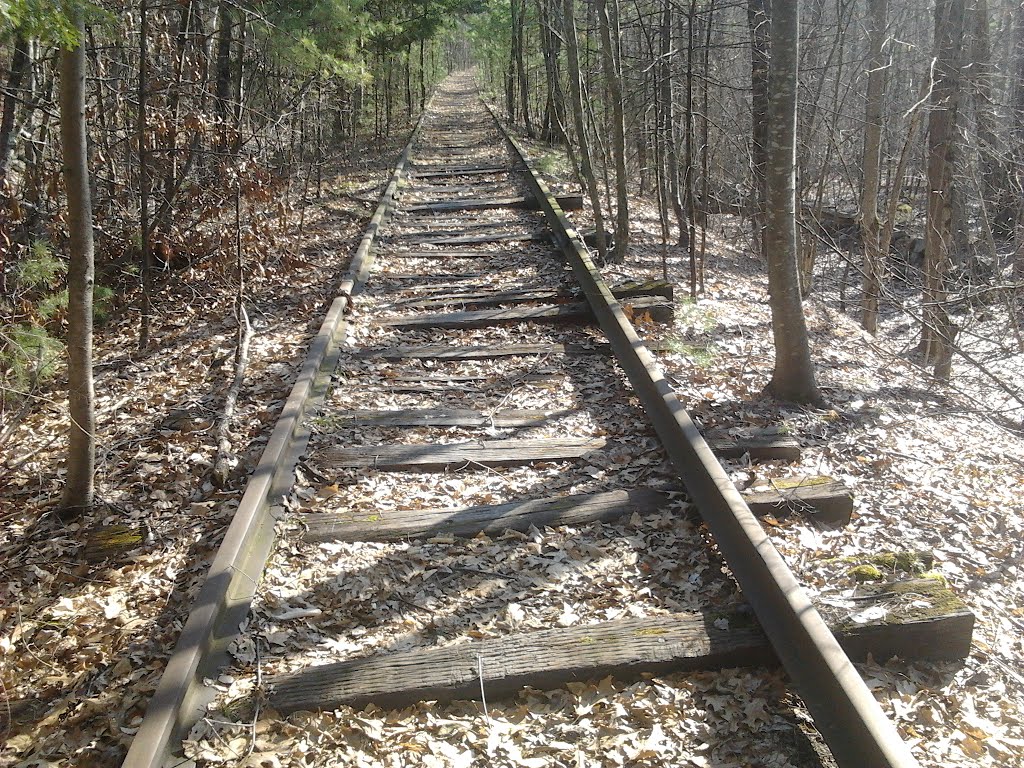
(226, 460)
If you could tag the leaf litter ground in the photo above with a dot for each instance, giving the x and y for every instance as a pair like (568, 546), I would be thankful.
(86, 643)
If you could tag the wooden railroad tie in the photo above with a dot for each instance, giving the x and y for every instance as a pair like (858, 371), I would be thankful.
(483, 352)
(919, 619)
(446, 417)
(409, 253)
(568, 203)
(656, 307)
(760, 445)
(823, 499)
(438, 458)
(456, 384)
(442, 240)
(494, 298)
(427, 172)
(395, 525)
(576, 509)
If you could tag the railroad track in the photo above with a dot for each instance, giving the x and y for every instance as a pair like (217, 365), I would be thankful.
(475, 383)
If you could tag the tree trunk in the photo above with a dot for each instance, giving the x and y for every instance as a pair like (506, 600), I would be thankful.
(608, 21)
(518, 23)
(222, 92)
(667, 129)
(691, 205)
(793, 376)
(78, 489)
(19, 65)
(579, 121)
(423, 79)
(874, 256)
(938, 330)
(997, 196)
(759, 21)
(1017, 140)
(144, 228)
(554, 108)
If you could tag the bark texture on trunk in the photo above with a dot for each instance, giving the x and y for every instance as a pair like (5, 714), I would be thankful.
(78, 488)
(793, 376)
(938, 329)
(608, 21)
(579, 122)
(19, 65)
(874, 256)
(759, 21)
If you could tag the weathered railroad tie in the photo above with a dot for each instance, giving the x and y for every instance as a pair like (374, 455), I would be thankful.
(519, 365)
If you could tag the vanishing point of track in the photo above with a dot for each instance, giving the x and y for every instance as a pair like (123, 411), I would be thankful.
(469, 243)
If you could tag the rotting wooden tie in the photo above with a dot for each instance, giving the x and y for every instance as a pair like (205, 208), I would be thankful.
(391, 525)
(482, 352)
(437, 458)
(465, 170)
(482, 239)
(409, 253)
(532, 296)
(823, 499)
(568, 203)
(760, 446)
(920, 619)
(445, 417)
(655, 306)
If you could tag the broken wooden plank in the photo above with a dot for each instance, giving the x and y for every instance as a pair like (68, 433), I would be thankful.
(918, 620)
(483, 352)
(394, 525)
(657, 307)
(760, 445)
(568, 203)
(442, 417)
(824, 499)
(437, 458)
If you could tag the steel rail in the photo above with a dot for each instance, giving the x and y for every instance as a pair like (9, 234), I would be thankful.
(226, 595)
(844, 710)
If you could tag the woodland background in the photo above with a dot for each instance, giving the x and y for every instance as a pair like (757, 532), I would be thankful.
(234, 152)
(208, 124)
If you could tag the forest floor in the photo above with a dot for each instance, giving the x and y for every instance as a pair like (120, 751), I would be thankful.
(82, 644)
(935, 469)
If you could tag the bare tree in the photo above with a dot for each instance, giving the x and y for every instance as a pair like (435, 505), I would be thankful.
(874, 256)
(608, 20)
(79, 488)
(579, 121)
(938, 329)
(793, 376)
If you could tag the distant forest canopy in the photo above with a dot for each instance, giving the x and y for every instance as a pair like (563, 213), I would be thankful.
(910, 142)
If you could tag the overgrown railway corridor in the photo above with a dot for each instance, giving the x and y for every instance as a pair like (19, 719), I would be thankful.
(506, 543)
